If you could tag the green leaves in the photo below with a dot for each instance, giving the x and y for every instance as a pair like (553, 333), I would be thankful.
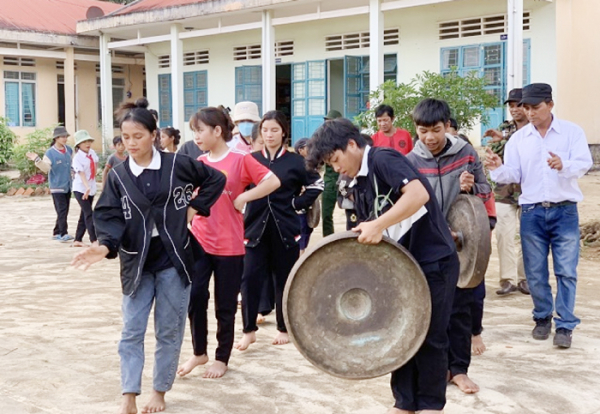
(466, 96)
(37, 141)
(7, 139)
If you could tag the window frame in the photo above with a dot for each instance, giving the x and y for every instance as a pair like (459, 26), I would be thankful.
(20, 80)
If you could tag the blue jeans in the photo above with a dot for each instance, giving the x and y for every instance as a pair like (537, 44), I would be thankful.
(557, 228)
(171, 297)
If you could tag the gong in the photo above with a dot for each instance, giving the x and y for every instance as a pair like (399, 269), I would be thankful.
(468, 217)
(357, 311)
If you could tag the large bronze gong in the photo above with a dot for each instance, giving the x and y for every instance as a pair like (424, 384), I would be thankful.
(357, 311)
(469, 218)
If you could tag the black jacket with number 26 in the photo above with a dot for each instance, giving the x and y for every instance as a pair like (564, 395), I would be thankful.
(283, 203)
(124, 217)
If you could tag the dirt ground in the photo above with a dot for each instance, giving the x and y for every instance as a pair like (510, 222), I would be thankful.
(59, 329)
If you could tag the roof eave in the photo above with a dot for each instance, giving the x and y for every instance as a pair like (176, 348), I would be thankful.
(170, 14)
(48, 38)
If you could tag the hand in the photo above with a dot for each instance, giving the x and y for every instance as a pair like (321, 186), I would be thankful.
(492, 161)
(32, 156)
(466, 181)
(555, 162)
(239, 203)
(86, 194)
(494, 133)
(191, 212)
(89, 256)
(370, 233)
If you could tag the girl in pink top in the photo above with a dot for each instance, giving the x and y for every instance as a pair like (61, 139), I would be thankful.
(221, 237)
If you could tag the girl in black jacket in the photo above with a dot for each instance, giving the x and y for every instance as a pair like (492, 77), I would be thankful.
(272, 228)
(142, 216)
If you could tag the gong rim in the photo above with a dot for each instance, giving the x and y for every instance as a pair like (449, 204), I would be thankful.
(475, 254)
(336, 365)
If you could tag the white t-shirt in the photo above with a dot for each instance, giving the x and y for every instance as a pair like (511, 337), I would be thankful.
(81, 162)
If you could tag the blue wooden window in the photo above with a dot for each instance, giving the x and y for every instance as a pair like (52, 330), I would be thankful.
(248, 85)
(489, 61)
(195, 92)
(165, 108)
(309, 97)
(20, 98)
(357, 81)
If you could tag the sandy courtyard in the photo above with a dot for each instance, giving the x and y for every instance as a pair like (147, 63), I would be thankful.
(59, 329)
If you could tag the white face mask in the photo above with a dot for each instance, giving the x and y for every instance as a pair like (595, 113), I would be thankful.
(245, 128)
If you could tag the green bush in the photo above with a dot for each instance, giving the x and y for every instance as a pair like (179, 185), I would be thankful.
(466, 96)
(38, 141)
(7, 140)
(5, 183)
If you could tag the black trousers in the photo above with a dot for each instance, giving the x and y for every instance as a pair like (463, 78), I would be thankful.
(477, 309)
(269, 258)
(86, 221)
(62, 201)
(228, 275)
(459, 332)
(421, 383)
(267, 296)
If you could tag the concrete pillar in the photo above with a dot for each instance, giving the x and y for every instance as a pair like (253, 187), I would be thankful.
(70, 90)
(106, 98)
(151, 62)
(268, 61)
(376, 44)
(177, 77)
(514, 50)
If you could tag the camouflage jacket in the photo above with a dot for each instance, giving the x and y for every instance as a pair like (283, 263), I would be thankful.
(505, 193)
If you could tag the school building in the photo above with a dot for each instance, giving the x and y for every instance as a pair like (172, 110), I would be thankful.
(51, 74)
(303, 57)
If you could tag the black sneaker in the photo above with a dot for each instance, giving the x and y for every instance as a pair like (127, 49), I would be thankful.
(562, 338)
(542, 329)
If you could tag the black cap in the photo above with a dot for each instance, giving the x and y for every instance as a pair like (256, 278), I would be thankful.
(536, 93)
(514, 96)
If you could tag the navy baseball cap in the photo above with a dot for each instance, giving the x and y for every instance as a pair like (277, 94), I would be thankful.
(536, 93)
(514, 95)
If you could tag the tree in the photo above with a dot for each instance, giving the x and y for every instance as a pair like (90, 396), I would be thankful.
(466, 96)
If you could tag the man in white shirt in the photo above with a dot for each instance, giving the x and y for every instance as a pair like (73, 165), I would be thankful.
(547, 157)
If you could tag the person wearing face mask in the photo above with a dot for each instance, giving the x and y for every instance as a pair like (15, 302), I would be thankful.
(245, 116)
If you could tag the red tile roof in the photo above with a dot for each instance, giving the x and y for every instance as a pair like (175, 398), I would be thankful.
(147, 5)
(48, 16)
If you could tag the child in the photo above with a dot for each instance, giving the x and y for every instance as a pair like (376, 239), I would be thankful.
(222, 237)
(155, 252)
(57, 164)
(305, 229)
(257, 142)
(451, 167)
(85, 163)
(272, 225)
(169, 139)
(245, 117)
(115, 159)
(414, 218)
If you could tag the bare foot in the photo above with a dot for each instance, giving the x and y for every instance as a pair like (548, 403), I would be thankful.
(191, 363)
(247, 340)
(216, 370)
(478, 345)
(95, 243)
(128, 405)
(156, 403)
(464, 383)
(78, 244)
(260, 319)
(282, 338)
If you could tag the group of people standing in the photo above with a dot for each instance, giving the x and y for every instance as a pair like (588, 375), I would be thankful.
(240, 195)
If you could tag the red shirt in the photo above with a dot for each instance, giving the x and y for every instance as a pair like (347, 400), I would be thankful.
(400, 141)
(222, 233)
